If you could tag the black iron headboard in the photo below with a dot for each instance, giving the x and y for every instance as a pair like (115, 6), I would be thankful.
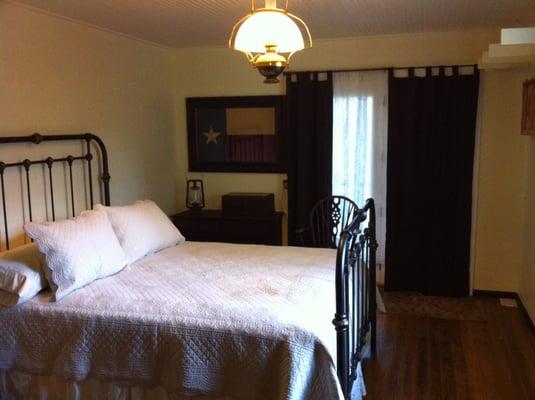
(49, 162)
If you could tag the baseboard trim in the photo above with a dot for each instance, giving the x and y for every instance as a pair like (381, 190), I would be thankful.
(526, 314)
(495, 293)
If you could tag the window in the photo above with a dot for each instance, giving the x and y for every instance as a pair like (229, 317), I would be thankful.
(352, 147)
(360, 118)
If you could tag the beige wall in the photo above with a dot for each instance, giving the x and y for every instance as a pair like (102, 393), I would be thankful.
(499, 228)
(63, 77)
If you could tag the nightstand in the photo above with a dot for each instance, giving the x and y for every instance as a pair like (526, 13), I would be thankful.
(213, 226)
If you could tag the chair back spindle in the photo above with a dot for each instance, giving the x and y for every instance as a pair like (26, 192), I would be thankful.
(328, 218)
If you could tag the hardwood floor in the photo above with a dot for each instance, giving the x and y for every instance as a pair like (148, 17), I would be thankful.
(429, 358)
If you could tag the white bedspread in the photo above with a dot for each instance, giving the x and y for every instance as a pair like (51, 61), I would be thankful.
(245, 321)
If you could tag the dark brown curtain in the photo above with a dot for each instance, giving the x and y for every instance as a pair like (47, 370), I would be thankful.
(431, 131)
(309, 126)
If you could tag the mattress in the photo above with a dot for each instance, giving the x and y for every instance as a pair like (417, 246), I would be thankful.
(243, 321)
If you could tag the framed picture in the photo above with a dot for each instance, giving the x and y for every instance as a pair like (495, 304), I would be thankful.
(528, 108)
(236, 134)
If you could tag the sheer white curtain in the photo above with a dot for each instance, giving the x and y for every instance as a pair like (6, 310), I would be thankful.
(360, 123)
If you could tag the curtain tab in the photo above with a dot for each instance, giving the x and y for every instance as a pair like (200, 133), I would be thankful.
(323, 76)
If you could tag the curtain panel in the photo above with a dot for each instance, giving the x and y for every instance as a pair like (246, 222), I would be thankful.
(309, 111)
(360, 140)
(431, 134)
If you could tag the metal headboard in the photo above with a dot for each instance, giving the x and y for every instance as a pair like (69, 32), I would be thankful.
(49, 162)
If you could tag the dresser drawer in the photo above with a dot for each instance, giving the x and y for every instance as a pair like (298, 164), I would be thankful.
(212, 226)
(205, 230)
(254, 232)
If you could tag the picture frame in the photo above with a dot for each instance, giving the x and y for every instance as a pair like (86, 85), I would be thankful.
(528, 107)
(236, 134)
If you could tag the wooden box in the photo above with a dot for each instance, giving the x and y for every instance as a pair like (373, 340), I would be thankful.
(248, 205)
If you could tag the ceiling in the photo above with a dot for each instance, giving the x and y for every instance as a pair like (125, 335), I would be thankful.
(188, 23)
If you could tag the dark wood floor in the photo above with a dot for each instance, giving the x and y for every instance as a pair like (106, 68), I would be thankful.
(429, 358)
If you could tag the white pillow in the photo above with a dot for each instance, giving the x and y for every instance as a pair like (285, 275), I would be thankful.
(142, 228)
(21, 275)
(78, 251)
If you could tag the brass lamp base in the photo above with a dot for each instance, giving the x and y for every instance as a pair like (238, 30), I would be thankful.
(270, 64)
(271, 72)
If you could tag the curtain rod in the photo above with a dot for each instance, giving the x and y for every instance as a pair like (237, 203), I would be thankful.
(375, 69)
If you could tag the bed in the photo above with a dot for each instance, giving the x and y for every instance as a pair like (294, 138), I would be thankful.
(193, 321)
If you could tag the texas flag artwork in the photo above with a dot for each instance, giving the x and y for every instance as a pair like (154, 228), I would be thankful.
(236, 134)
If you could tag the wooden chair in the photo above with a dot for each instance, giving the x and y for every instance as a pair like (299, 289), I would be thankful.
(327, 219)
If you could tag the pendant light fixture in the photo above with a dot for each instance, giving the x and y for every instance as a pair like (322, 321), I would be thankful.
(269, 37)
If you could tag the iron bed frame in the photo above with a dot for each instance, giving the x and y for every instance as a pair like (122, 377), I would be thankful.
(49, 162)
(356, 303)
(355, 316)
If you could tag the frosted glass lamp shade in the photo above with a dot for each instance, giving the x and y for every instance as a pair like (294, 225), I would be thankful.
(269, 37)
(269, 27)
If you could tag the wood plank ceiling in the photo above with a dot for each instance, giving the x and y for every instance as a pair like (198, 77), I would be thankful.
(188, 23)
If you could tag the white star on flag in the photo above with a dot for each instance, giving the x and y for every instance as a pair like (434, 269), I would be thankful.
(211, 136)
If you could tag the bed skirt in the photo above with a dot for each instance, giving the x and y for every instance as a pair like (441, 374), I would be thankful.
(21, 385)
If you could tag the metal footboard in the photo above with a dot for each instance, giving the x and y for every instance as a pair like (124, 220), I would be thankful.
(355, 294)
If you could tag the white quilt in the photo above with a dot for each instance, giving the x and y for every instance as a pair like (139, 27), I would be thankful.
(245, 321)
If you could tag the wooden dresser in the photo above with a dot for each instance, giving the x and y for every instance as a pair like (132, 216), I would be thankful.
(213, 226)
